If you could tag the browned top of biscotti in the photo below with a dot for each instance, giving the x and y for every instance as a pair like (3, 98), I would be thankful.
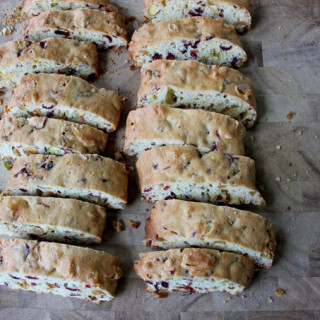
(183, 164)
(44, 132)
(206, 130)
(190, 28)
(62, 90)
(110, 23)
(59, 51)
(202, 263)
(78, 171)
(61, 261)
(204, 221)
(64, 213)
(241, 3)
(195, 76)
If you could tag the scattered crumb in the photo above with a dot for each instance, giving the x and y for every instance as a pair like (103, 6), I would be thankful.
(118, 225)
(7, 30)
(278, 179)
(146, 210)
(243, 297)
(284, 58)
(253, 138)
(279, 27)
(134, 224)
(261, 96)
(290, 164)
(299, 133)
(280, 292)
(295, 174)
(288, 180)
(266, 119)
(293, 130)
(118, 156)
(289, 208)
(1, 102)
(278, 147)
(270, 300)
(284, 36)
(290, 115)
(261, 187)
(160, 295)
(1, 93)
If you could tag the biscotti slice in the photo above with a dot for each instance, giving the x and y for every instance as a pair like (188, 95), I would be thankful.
(71, 57)
(66, 270)
(234, 12)
(202, 39)
(179, 172)
(190, 84)
(35, 7)
(156, 125)
(52, 219)
(91, 178)
(194, 270)
(22, 137)
(105, 29)
(62, 97)
(180, 224)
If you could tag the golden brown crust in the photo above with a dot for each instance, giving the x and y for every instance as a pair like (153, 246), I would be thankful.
(76, 171)
(206, 130)
(196, 76)
(62, 213)
(191, 29)
(61, 261)
(109, 23)
(172, 164)
(59, 89)
(201, 263)
(44, 132)
(194, 220)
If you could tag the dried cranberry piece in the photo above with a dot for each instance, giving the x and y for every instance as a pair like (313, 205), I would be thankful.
(43, 204)
(88, 286)
(234, 62)
(33, 284)
(23, 190)
(19, 52)
(47, 165)
(209, 38)
(214, 146)
(156, 56)
(41, 125)
(147, 190)
(108, 37)
(22, 171)
(63, 33)
(166, 188)
(219, 198)
(26, 251)
(43, 44)
(166, 168)
(196, 12)
(51, 107)
(187, 288)
(173, 271)
(153, 143)
(222, 47)
(14, 277)
(196, 43)
(1, 259)
(71, 289)
(170, 56)
(194, 54)
(165, 284)
(155, 166)
(32, 278)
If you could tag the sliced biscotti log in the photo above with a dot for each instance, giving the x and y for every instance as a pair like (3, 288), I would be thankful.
(234, 12)
(52, 219)
(180, 224)
(195, 270)
(35, 7)
(21, 137)
(91, 178)
(179, 172)
(71, 57)
(66, 270)
(202, 39)
(105, 29)
(156, 125)
(62, 97)
(190, 84)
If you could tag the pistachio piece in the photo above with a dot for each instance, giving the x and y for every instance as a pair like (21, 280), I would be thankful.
(97, 292)
(37, 112)
(7, 165)
(22, 108)
(153, 10)
(54, 150)
(16, 151)
(30, 150)
(54, 4)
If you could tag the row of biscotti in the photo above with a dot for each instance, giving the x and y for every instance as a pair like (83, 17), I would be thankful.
(79, 23)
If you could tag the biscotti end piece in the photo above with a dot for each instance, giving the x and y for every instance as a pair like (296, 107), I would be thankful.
(35, 7)
(195, 270)
(51, 55)
(105, 29)
(70, 271)
(157, 125)
(65, 97)
(234, 12)
(179, 172)
(92, 178)
(22, 137)
(203, 39)
(190, 84)
(176, 223)
(52, 219)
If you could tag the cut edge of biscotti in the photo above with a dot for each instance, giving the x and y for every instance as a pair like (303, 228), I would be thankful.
(231, 12)
(35, 7)
(241, 105)
(12, 73)
(220, 132)
(194, 270)
(209, 49)
(26, 102)
(84, 138)
(46, 163)
(40, 274)
(206, 227)
(38, 29)
(23, 217)
(154, 186)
